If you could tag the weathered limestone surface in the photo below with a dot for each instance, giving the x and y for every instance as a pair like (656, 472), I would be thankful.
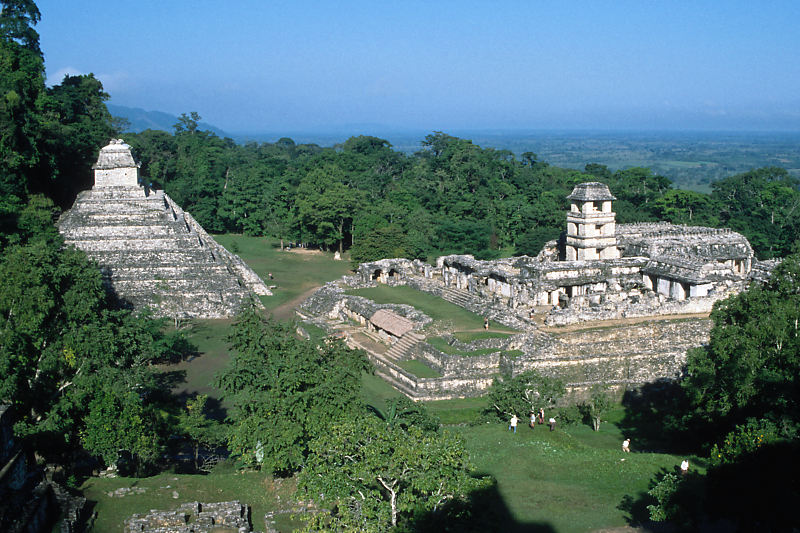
(635, 297)
(150, 251)
(194, 517)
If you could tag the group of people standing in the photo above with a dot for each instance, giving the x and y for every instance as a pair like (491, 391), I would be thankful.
(536, 418)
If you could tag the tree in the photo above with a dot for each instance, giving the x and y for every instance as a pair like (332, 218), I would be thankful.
(751, 364)
(198, 428)
(379, 476)
(284, 391)
(384, 242)
(524, 393)
(117, 421)
(187, 123)
(326, 206)
(17, 19)
(597, 405)
(21, 84)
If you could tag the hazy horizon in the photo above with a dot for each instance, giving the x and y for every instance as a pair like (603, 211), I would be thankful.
(446, 66)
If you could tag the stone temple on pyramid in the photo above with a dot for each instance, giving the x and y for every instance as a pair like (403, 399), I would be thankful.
(151, 252)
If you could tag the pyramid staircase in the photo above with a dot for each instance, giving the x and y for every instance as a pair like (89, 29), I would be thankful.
(153, 254)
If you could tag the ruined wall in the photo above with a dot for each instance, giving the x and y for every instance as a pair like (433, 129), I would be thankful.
(620, 354)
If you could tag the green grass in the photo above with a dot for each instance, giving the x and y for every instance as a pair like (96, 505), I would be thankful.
(419, 369)
(470, 336)
(294, 272)
(460, 411)
(316, 332)
(213, 355)
(572, 479)
(376, 391)
(441, 311)
(253, 488)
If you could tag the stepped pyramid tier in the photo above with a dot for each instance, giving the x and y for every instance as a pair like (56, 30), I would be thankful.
(150, 251)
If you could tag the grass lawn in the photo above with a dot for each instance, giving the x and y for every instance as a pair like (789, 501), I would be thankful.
(253, 488)
(461, 411)
(294, 272)
(213, 355)
(439, 310)
(376, 391)
(571, 480)
(419, 369)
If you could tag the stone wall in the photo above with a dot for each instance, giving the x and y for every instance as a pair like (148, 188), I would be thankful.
(194, 517)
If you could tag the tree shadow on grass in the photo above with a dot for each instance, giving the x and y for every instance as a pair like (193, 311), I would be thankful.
(485, 511)
(651, 414)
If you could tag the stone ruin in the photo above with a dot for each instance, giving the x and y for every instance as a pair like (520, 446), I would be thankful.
(30, 501)
(150, 251)
(194, 517)
(636, 297)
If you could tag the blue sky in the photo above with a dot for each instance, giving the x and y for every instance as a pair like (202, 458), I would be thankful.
(261, 66)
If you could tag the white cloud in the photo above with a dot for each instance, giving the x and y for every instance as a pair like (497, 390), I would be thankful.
(112, 81)
(58, 76)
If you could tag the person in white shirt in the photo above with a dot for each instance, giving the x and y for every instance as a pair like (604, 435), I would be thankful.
(684, 467)
(513, 423)
(626, 445)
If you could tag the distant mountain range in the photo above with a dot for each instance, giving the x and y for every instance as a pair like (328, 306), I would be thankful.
(142, 119)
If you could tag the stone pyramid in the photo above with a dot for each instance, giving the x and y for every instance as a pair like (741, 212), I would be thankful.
(150, 251)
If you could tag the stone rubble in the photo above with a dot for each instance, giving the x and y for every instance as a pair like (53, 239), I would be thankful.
(194, 517)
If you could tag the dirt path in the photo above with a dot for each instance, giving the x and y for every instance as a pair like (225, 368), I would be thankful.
(285, 311)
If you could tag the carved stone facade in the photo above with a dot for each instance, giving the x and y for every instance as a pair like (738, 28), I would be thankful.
(150, 251)
(636, 298)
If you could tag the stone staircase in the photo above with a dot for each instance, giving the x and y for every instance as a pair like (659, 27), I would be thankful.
(154, 254)
(401, 349)
(456, 296)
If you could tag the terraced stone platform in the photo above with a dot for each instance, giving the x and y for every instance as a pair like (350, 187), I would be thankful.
(150, 251)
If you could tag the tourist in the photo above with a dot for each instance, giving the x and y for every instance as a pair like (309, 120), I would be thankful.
(626, 445)
(533, 420)
(513, 423)
(684, 467)
(486, 323)
(552, 423)
(541, 416)
(270, 275)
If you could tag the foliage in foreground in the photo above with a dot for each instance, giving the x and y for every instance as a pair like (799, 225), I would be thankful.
(751, 366)
(78, 373)
(378, 475)
(742, 400)
(284, 391)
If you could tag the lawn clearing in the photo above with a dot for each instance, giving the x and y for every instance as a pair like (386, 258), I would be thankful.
(295, 272)
(459, 411)
(572, 479)
(376, 391)
(419, 369)
(210, 337)
(252, 488)
(441, 311)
